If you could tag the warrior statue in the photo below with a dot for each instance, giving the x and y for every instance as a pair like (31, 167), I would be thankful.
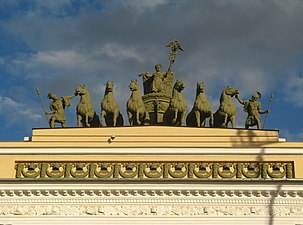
(253, 109)
(57, 107)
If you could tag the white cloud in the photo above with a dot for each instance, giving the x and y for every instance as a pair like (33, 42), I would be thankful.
(63, 59)
(2, 61)
(55, 64)
(294, 89)
(291, 136)
(7, 103)
(118, 52)
(15, 111)
(142, 5)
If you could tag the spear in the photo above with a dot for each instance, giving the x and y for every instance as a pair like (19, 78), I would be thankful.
(268, 107)
(38, 92)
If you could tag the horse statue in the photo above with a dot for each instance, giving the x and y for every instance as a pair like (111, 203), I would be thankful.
(136, 112)
(201, 110)
(85, 109)
(175, 114)
(227, 109)
(109, 108)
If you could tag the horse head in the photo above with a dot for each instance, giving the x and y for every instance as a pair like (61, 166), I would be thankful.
(179, 85)
(231, 91)
(133, 86)
(81, 90)
(109, 86)
(200, 88)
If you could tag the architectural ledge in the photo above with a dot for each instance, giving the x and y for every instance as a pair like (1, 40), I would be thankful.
(148, 136)
(153, 187)
(48, 200)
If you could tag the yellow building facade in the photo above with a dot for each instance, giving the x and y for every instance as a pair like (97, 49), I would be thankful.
(151, 175)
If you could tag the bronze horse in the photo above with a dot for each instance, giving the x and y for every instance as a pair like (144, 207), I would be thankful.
(85, 109)
(201, 110)
(136, 112)
(109, 108)
(175, 114)
(227, 109)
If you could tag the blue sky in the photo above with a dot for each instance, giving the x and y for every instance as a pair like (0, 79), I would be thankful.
(59, 44)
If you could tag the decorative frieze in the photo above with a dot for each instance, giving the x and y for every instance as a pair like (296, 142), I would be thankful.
(146, 170)
(138, 210)
(141, 199)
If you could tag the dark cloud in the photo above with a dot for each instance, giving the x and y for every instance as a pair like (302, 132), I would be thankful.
(251, 45)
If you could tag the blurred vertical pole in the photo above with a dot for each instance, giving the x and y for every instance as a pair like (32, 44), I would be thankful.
(44, 109)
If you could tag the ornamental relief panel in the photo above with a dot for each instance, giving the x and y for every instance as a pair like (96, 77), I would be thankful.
(151, 210)
(149, 170)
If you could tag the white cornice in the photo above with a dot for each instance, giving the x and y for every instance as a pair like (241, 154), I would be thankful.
(130, 189)
(197, 201)
(208, 151)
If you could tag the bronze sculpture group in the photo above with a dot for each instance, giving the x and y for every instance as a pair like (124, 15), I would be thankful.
(161, 104)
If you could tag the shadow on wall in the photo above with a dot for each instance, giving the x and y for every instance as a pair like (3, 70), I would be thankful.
(249, 138)
(271, 204)
(253, 138)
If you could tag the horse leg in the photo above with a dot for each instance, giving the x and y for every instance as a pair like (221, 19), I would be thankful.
(203, 124)
(138, 117)
(197, 114)
(174, 121)
(224, 124)
(103, 115)
(211, 120)
(130, 118)
(182, 118)
(79, 119)
(146, 118)
(115, 116)
(203, 120)
(86, 120)
(216, 119)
